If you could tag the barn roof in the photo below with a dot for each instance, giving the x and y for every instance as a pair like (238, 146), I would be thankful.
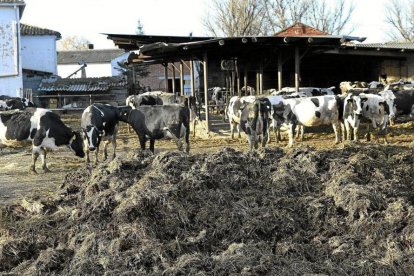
(26, 29)
(300, 29)
(102, 84)
(88, 56)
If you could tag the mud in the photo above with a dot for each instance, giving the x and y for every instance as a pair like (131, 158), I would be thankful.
(221, 210)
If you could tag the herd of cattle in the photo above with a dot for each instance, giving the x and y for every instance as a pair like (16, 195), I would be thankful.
(156, 115)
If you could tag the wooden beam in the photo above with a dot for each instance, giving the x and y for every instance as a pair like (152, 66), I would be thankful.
(205, 63)
(297, 69)
(173, 77)
(181, 79)
(192, 78)
(279, 71)
(166, 76)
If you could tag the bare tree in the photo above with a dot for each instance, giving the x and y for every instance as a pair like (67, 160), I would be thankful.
(73, 43)
(235, 18)
(330, 19)
(266, 17)
(400, 16)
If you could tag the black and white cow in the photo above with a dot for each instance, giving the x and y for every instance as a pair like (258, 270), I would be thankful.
(99, 122)
(404, 102)
(157, 122)
(141, 99)
(251, 115)
(307, 112)
(9, 103)
(350, 112)
(40, 126)
(376, 113)
(233, 112)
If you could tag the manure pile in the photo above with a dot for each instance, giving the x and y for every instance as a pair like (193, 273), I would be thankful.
(335, 212)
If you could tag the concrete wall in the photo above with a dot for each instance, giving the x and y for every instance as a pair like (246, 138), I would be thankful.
(11, 80)
(39, 53)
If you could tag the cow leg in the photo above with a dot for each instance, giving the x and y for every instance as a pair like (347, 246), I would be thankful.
(96, 155)
(43, 153)
(152, 145)
(142, 141)
(35, 155)
(302, 132)
(114, 141)
(238, 131)
(292, 128)
(86, 150)
(106, 149)
(335, 127)
(347, 131)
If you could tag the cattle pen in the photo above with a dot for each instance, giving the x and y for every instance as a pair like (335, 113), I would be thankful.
(220, 204)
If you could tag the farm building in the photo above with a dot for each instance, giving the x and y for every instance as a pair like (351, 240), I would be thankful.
(31, 55)
(90, 63)
(78, 93)
(299, 55)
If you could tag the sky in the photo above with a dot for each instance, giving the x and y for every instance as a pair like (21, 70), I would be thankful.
(90, 19)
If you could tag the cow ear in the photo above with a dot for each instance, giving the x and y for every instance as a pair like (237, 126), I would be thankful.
(101, 133)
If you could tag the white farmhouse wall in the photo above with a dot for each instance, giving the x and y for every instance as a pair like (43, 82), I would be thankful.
(93, 70)
(114, 64)
(39, 53)
(11, 80)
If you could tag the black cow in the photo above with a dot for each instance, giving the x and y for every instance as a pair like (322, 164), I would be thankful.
(99, 122)
(254, 121)
(404, 101)
(157, 122)
(41, 126)
(9, 103)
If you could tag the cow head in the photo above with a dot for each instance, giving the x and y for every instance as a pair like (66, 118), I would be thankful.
(254, 121)
(76, 145)
(389, 106)
(352, 106)
(92, 137)
(124, 113)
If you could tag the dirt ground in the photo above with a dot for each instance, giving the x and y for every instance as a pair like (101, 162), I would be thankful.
(315, 209)
(16, 182)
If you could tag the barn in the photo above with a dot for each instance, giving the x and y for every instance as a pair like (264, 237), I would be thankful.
(298, 56)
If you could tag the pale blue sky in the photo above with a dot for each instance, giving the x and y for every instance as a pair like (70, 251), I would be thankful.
(89, 18)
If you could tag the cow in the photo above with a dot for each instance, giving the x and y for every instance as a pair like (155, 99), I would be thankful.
(403, 102)
(376, 111)
(9, 103)
(43, 128)
(254, 121)
(350, 112)
(217, 98)
(99, 122)
(157, 122)
(233, 112)
(141, 99)
(307, 112)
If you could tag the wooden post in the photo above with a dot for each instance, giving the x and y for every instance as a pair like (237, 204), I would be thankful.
(261, 79)
(173, 78)
(297, 73)
(166, 77)
(181, 79)
(245, 80)
(192, 78)
(205, 91)
(257, 82)
(279, 71)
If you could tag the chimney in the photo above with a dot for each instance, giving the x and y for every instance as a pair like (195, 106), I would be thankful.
(90, 46)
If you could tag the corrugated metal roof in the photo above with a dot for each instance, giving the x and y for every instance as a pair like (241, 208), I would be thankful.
(387, 45)
(103, 84)
(88, 56)
(32, 30)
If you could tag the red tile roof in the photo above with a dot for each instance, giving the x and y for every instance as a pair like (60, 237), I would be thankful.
(300, 29)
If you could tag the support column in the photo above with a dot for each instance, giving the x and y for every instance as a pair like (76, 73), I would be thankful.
(166, 77)
(192, 78)
(181, 79)
(245, 81)
(173, 78)
(279, 71)
(205, 91)
(261, 79)
(297, 69)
